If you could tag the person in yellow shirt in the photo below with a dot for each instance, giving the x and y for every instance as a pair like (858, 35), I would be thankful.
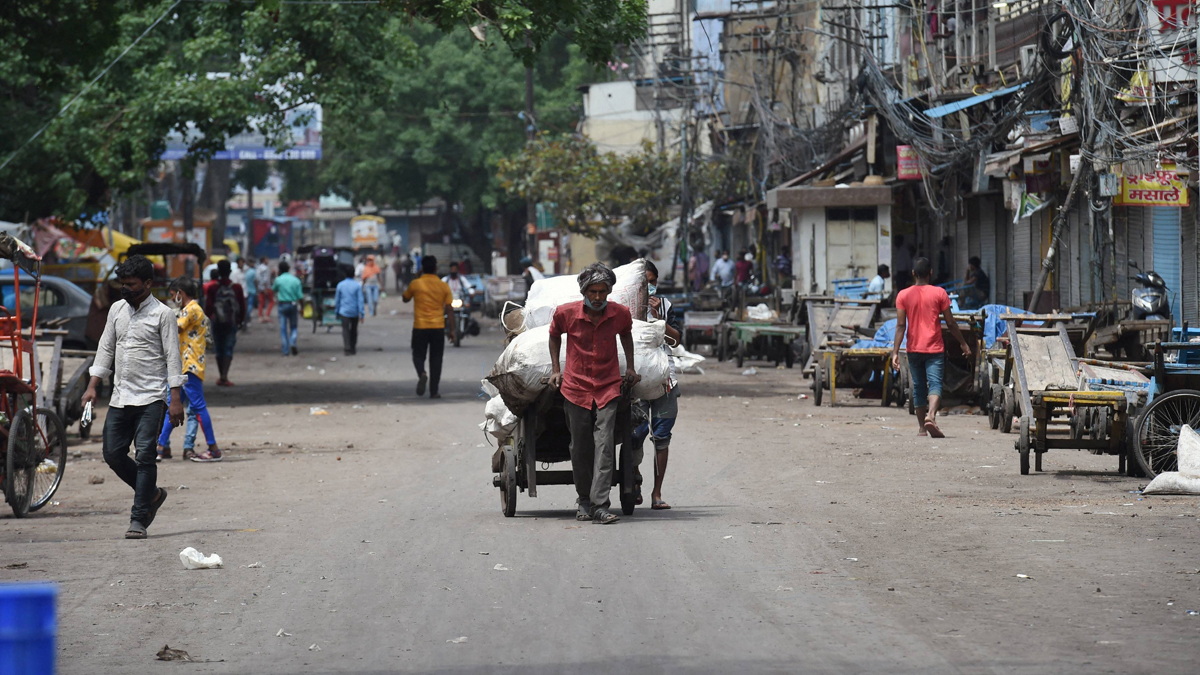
(194, 333)
(431, 315)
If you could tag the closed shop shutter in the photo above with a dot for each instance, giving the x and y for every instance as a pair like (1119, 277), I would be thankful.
(1087, 273)
(1022, 257)
(1133, 243)
(1002, 220)
(1167, 246)
(986, 236)
(1190, 255)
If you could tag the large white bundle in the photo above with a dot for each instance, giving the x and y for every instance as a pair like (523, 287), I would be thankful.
(498, 420)
(1185, 481)
(547, 294)
(521, 372)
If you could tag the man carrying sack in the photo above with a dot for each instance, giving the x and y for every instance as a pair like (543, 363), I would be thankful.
(591, 384)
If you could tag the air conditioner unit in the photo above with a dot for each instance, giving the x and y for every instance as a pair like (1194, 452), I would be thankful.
(1028, 59)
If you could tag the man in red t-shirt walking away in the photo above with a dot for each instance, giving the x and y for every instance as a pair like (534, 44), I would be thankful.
(591, 384)
(919, 311)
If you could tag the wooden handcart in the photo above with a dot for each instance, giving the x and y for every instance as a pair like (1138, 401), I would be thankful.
(867, 369)
(752, 340)
(1049, 398)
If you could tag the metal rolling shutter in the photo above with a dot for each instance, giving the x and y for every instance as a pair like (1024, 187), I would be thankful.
(1022, 258)
(1002, 222)
(1190, 255)
(1167, 245)
(986, 236)
(1084, 256)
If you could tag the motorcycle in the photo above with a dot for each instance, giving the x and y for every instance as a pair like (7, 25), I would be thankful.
(1151, 302)
(463, 323)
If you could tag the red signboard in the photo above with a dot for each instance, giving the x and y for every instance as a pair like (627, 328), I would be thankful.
(908, 163)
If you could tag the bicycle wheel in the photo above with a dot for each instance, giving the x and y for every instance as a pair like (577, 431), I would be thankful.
(21, 464)
(1158, 430)
(50, 442)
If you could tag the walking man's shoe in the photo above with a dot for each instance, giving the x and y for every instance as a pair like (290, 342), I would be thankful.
(158, 501)
(136, 530)
(421, 380)
(213, 455)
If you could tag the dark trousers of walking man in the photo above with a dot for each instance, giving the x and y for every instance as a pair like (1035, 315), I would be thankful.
(432, 340)
(350, 333)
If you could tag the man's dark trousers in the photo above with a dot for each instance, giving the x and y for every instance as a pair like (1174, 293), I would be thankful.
(349, 333)
(433, 339)
(139, 425)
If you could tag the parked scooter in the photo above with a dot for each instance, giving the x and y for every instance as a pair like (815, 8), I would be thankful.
(463, 323)
(1151, 302)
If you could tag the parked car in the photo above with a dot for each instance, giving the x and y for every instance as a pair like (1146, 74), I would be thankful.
(60, 299)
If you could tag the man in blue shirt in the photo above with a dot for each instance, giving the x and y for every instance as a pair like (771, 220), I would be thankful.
(723, 270)
(349, 303)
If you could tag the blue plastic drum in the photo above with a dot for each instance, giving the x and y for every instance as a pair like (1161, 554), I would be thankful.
(27, 628)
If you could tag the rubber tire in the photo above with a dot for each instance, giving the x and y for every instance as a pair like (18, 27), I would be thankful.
(1008, 410)
(1137, 436)
(21, 427)
(997, 407)
(741, 353)
(1023, 444)
(628, 501)
(722, 343)
(818, 385)
(789, 357)
(56, 435)
(458, 338)
(910, 402)
(508, 482)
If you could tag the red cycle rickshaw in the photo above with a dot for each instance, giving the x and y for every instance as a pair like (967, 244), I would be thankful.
(33, 447)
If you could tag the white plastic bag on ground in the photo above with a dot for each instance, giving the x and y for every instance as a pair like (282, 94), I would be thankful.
(1185, 481)
(547, 294)
(498, 420)
(761, 312)
(521, 372)
(195, 560)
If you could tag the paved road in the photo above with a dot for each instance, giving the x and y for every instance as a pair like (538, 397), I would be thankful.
(802, 540)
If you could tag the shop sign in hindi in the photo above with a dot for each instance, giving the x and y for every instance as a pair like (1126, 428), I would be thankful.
(908, 163)
(1160, 188)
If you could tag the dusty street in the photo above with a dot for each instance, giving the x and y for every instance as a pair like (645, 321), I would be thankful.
(802, 539)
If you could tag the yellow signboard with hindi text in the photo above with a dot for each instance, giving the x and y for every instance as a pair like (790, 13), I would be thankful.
(1160, 188)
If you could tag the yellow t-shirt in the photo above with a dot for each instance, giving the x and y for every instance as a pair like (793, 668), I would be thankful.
(430, 295)
(193, 338)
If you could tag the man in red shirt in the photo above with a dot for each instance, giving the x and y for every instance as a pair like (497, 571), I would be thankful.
(919, 311)
(591, 384)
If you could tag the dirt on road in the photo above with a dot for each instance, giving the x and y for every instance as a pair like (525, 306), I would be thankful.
(802, 539)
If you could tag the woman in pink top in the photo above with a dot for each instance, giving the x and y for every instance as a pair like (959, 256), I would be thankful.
(919, 311)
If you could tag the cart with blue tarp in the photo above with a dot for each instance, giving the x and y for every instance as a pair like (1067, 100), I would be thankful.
(1173, 400)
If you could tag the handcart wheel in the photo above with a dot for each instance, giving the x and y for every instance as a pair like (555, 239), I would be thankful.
(50, 441)
(1158, 430)
(1008, 410)
(997, 408)
(1023, 445)
(885, 396)
(818, 385)
(1078, 424)
(722, 340)
(908, 393)
(21, 464)
(741, 352)
(508, 482)
(789, 357)
(628, 474)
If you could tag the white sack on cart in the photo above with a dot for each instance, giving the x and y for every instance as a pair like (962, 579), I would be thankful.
(498, 420)
(1185, 481)
(521, 372)
(547, 294)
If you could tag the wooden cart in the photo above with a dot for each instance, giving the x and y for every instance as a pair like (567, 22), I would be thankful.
(1049, 397)
(542, 436)
(703, 328)
(751, 340)
(866, 369)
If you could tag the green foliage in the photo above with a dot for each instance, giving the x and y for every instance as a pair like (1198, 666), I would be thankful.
(527, 26)
(591, 190)
(253, 175)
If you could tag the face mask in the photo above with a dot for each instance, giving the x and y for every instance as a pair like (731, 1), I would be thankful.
(653, 288)
(454, 275)
(749, 258)
(597, 306)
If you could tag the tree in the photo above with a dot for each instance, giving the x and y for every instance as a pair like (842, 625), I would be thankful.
(592, 190)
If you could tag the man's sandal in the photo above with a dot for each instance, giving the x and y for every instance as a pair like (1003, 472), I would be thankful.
(602, 517)
(659, 505)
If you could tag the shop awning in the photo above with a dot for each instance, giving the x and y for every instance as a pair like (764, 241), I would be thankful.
(943, 110)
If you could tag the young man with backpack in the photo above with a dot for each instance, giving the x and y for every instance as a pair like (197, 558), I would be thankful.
(225, 305)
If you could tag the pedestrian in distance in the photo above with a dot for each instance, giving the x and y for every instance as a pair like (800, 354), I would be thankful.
(225, 305)
(724, 271)
(432, 314)
(591, 383)
(660, 413)
(920, 309)
(214, 275)
(288, 291)
(264, 282)
(744, 266)
(878, 283)
(139, 349)
(250, 273)
(348, 299)
(194, 329)
(372, 279)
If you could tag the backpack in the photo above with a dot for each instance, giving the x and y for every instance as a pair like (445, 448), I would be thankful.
(225, 305)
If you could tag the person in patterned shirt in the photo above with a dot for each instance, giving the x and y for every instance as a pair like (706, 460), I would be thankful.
(194, 332)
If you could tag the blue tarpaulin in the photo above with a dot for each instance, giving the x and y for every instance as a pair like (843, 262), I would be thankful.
(943, 110)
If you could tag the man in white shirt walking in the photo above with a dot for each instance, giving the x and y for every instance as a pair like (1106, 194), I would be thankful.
(140, 350)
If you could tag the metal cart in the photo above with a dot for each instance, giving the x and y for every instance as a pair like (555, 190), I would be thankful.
(703, 328)
(761, 341)
(1173, 400)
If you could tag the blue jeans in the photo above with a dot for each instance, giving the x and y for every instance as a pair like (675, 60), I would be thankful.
(660, 420)
(926, 372)
(371, 294)
(289, 322)
(224, 340)
(136, 425)
(197, 415)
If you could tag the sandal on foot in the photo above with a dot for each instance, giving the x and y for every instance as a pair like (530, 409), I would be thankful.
(659, 505)
(154, 505)
(602, 517)
(212, 455)
(933, 429)
(136, 530)
(163, 453)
